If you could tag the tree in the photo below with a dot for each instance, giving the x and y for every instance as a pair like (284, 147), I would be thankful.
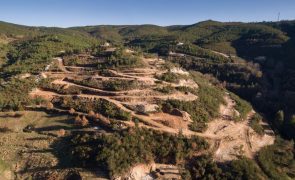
(49, 106)
(279, 118)
(203, 167)
(81, 121)
(91, 114)
(84, 121)
(292, 121)
(244, 169)
(78, 120)
(61, 132)
(72, 111)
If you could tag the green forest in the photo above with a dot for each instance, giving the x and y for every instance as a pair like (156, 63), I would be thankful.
(253, 62)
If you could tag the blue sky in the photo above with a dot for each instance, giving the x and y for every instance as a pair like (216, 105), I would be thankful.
(65, 13)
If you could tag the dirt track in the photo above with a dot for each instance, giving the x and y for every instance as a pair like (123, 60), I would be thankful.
(228, 139)
(236, 138)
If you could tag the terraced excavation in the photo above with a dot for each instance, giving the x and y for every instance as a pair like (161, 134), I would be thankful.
(138, 92)
(209, 100)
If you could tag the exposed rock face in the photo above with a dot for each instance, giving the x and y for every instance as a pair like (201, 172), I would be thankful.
(152, 171)
(145, 108)
(179, 71)
(187, 83)
(139, 172)
(176, 54)
(24, 76)
(186, 116)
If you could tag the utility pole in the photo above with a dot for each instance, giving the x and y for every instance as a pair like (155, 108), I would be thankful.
(279, 14)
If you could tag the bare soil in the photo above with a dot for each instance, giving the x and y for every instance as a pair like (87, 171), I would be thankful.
(228, 139)
(236, 138)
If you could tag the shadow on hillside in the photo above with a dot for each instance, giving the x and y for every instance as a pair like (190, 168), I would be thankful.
(38, 138)
(53, 128)
(52, 115)
(67, 121)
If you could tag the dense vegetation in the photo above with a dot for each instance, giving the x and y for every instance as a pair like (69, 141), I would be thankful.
(110, 85)
(240, 77)
(102, 106)
(202, 110)
(14, 94)
(120, 151)
(34, 54)
(203, 167)
(277, 161)
(120, 85)
(193, 50)
(120, 59)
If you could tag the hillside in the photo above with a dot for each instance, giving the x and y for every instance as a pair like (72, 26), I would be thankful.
(210, 100)
(258, 53)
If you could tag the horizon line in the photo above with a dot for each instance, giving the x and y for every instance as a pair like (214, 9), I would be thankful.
(45, 26)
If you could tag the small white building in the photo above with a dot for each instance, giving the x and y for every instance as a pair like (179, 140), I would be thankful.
(106, 44)
(180, 44)
(176, 54)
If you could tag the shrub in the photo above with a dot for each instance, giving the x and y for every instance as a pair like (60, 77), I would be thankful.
(84, 121)
(198, 126)
(72, 111)
(60, 88)
(49, 106)
(61, 133)
(255, 124)
(166, 89)
(5, 130)
(242, 106)
(78, 120)
(119, 85)
(169, 77)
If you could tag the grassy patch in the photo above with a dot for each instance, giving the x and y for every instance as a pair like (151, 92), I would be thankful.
(38, 119)
(3, 166)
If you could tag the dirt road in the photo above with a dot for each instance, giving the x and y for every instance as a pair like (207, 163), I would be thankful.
(237, 138)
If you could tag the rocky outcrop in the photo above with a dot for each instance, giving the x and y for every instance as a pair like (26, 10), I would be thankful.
(186, 116)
